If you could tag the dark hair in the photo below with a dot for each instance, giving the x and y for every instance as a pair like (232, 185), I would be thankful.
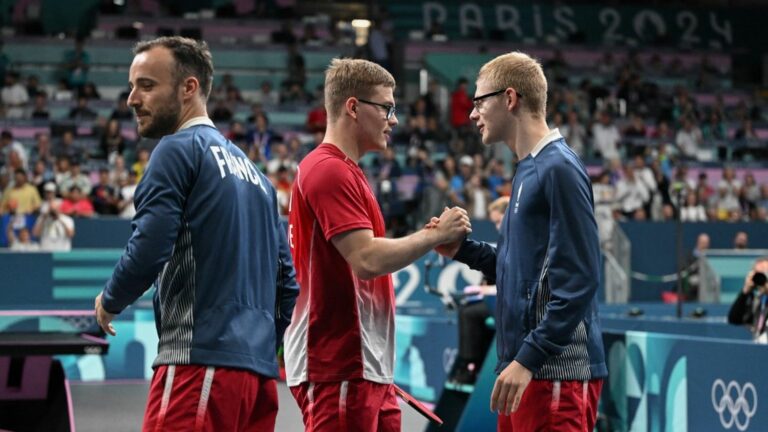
(193, 58)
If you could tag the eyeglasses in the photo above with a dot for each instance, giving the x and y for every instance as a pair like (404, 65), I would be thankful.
(390, 108)
(478, 101)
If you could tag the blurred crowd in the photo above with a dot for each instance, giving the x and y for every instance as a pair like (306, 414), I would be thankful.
(652, 149)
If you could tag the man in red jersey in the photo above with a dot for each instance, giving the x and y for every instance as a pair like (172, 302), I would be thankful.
(340, 348)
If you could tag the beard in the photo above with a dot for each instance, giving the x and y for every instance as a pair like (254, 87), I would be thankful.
(163, 121)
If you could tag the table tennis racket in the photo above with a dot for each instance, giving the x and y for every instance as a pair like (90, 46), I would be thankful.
(418, 406)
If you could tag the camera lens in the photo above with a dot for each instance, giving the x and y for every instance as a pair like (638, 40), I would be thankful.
(759, 278)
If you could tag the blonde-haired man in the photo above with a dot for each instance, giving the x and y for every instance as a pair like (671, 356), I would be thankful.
(551, 361)
(339, 351)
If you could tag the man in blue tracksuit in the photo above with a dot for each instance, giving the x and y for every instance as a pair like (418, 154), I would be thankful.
(207, 234)
(551, 358)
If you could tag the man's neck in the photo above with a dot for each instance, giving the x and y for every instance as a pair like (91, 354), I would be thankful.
(344, 141)
(191, 111)
(528, 134)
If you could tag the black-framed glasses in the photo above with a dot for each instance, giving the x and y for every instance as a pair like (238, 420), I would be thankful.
(478, 101)
(390, 108)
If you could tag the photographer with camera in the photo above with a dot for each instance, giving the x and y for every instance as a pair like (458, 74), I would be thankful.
(54, 229)
(751, 306)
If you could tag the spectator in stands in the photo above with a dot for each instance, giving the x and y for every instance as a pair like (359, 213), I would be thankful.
(76, 203)
(39, 109)
(297, 72)
(575, 133)
(112, 142)
(54, 229)
(310, 36)
(41, 174)
(8, 144)
(684, 107)
(379, 45)
(118, 173)
(604, 194)
(62, 91)
(723, 204)
(694, 267)
(635, 133)
(76, 64)
(81, 111)
(21, 198)
(283, 182)
(5, 62)
(260, 138)
(606, 66)
(631, 193)
(285, 34)
(689, 139)
(22, 243)
(293, 95)
(478, 197)
(730, 183)
(89, 91)
(751, 305)
(61, 169)
(142, 159)
(750, 195)
(317, 117)
(122, 111)
(14, 96)
(762, 203)
(646, 176)
(495, 175)
(460, 179)
(606, 137)
(703, 189)
(75, 179)
(104, 196)
(238, 135)
(280, 158)
(127, 190)
(33, 86)
(266, 96)
(714, 129)
(741, 240)
(221, 112)
(693, 211)
(461, 105)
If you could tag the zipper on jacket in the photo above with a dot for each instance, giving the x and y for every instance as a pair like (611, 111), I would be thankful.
(279, 288)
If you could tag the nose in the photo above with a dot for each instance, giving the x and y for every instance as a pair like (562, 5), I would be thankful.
(133, 99)
(474, 115)
(393, 121)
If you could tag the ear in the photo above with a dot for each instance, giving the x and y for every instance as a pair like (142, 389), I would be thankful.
(350, 107)
(513, 101)
(191, 87)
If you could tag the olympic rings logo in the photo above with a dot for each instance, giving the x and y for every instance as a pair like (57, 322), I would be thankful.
(731, 401)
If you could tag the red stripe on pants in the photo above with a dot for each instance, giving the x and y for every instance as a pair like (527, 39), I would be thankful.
(238, 400)
(542, 408)
(350, 406)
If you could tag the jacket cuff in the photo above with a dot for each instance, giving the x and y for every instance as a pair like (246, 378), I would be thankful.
(531, 357)
(465, 251)
(109, 303)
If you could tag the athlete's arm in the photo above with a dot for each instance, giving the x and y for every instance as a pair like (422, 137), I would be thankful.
(371, 256)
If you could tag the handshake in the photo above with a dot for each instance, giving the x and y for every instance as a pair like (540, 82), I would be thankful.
(450, 229)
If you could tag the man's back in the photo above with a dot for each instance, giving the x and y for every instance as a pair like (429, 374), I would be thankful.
(206, 225)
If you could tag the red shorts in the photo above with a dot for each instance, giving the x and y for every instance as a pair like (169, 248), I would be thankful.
(561, 406)
(193, 398)
(356, 405)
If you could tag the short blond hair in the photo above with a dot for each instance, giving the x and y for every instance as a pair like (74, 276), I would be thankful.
(499, 204)
(346, 78)
(524, 74)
